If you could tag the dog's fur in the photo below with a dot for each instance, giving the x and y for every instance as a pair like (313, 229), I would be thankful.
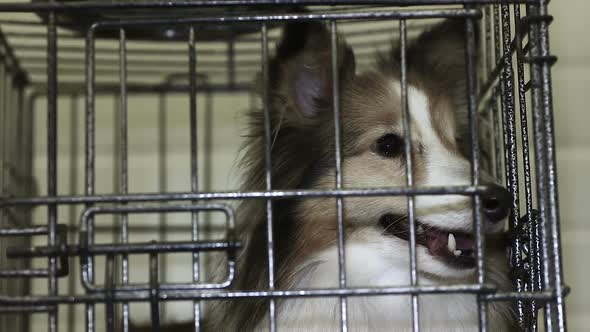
(302, 153)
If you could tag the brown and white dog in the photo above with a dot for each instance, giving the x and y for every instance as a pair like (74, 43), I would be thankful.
(376, 228)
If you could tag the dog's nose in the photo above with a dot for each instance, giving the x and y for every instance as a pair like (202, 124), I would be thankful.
(496, 203)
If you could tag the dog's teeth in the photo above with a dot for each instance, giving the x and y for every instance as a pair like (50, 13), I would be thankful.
(451, 243)
(457, 252)
(420, 229)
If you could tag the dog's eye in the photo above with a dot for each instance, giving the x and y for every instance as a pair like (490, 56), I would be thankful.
(389, 145)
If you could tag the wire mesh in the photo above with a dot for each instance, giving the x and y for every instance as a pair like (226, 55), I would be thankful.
(43, 60)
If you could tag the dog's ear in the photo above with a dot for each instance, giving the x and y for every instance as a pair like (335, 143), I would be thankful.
(438, 56)
(301, 72)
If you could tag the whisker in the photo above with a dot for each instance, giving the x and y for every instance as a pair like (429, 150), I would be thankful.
(386, 229)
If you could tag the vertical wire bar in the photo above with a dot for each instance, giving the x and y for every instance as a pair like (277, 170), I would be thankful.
(268, 174)
(90, 55)
(115, 228)
(109, 284)
(3, 157)
(8, 166)
(8, 163)
(488, 41)
(551, 169)
(472, 107)
(498, 91)
(73, 167)
(15, 133)
(540, 160)
(208, 140)
(52, 155)
(124, 169)
(21, 137)
(409, 173)
(28, 153)
(194, 164)
(511, 152)
(496, 130)
(12, 134)
(3, 130)
(208, 160)
(531, 308)
(162, 180)
(5, 169)
(154, 292)
(162, 177)
(492, 107)
(3, 125)
(338, 155)
(488, 67)
(30, 189)
(23, 123)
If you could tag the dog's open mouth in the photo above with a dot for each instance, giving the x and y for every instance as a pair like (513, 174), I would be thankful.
(455, 248)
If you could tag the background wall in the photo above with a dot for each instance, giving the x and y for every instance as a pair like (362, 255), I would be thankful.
(571, 85)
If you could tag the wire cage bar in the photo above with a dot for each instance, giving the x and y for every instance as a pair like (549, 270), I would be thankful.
(54, 256)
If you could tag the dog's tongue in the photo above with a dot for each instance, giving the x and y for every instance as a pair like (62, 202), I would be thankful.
(438, 242)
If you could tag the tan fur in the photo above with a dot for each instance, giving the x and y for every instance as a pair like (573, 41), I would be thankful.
(303, 158)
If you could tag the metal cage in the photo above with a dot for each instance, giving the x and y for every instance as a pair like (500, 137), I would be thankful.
(58, 57)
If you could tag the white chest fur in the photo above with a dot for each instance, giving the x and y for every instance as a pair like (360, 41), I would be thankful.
(367, 268)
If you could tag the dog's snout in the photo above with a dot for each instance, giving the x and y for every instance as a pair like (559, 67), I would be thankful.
(496, 203)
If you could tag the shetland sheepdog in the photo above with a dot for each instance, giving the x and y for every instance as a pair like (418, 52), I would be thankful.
(376, 229)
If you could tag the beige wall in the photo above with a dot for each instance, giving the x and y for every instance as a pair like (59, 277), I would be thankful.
(571, 85)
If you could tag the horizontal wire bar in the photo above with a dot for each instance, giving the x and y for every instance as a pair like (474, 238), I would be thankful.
(39, 230)
(172, 295)
(137, 287)
(274, 194)
(107, 71)
(139, 50)
(26, 309)
(169, 64)
(139, 209)
(155, 73)
(28, 273)
(128, 248)
(113, 5)
(423, 14)
(526, 296)
(144, 228)
(75, 62)
(70, 88)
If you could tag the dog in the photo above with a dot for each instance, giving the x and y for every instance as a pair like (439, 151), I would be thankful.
(376, 228)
